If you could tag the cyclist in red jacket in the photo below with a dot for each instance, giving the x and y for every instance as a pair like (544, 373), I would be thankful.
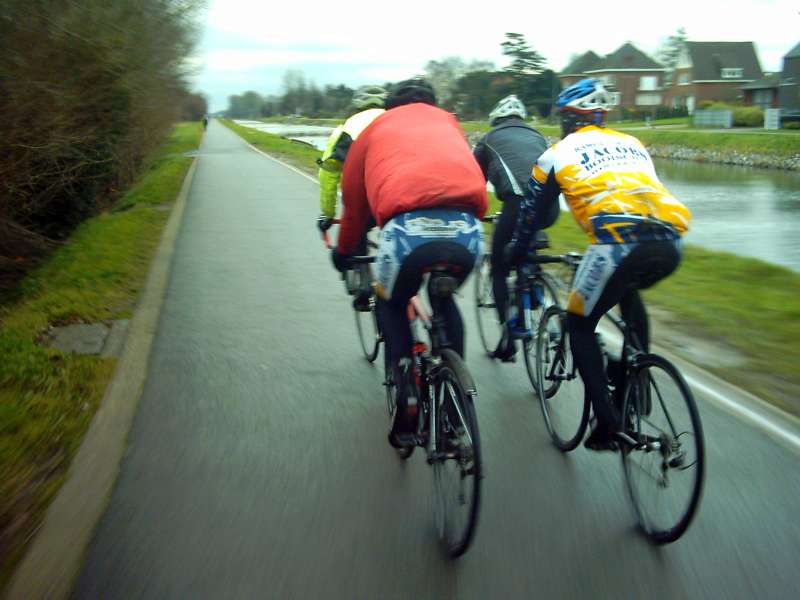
(413, 171)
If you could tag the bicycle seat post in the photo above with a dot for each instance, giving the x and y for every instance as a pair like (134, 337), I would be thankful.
(441, 286)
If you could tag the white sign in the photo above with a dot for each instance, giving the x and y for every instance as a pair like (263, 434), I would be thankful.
(772, 118)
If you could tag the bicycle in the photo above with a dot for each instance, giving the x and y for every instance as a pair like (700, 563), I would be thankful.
(656, 446)
(447, 425)
(530, 293)
(358, 281)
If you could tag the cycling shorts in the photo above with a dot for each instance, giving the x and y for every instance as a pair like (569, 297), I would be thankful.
(597, 266)
(455, 234)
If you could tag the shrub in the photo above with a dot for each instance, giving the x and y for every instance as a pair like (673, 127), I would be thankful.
(748, 116)
(87, 88)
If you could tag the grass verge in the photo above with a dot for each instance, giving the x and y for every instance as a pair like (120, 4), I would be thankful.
(48, 397)
(740, 303)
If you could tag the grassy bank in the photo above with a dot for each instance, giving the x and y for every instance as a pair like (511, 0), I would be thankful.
(778, 144)
(738, 304)
(48, 397)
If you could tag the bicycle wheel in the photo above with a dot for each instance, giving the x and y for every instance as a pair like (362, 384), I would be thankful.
(391, 403)
(457, 468)
(489, 326)
(549, 298)
(664, 470)
(559, 386)
(368, 332)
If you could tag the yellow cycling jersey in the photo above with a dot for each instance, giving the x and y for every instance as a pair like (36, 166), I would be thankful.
(604, 173)
(330, 172)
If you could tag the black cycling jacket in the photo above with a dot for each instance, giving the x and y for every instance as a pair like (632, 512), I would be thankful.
(507, 154)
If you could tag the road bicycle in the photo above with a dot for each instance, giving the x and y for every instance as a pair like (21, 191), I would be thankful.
(661, 441)
(531, 291)
(358, 282)
(447, 424)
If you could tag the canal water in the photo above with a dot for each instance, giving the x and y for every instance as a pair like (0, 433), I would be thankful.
(751, 212)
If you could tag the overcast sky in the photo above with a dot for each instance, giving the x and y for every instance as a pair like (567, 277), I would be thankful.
(249, 44)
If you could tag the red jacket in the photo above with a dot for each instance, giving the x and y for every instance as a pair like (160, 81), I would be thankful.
(409, 158)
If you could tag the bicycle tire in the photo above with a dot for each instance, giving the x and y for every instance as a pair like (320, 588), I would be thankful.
(368, 332)
(564, 404)
(490, 329)
(454, 394)
(529, 346)
(391, 404)
(639, 407)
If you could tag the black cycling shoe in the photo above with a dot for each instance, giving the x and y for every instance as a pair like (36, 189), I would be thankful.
(506, 349)
(404, 426)
(600, 439)
(361, 302)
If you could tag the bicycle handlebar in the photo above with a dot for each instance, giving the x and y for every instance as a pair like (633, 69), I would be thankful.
(355, 260)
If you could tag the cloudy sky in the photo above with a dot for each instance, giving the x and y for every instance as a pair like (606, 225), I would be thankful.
(249, 44)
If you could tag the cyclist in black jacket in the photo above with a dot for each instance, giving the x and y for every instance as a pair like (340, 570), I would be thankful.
(506, 155)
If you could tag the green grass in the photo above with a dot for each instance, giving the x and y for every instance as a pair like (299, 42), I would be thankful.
(298, 154)
(48, 397)
(778, 144)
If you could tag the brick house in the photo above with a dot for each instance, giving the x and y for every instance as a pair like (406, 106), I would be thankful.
(712, 71)
(762, 92)
(634, 79)
(576, 70)
(789, 86)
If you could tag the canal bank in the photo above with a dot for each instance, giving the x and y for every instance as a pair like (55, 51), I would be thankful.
(726, 157)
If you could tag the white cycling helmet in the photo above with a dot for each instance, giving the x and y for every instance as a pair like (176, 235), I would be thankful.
(369, 96)
(507, 107)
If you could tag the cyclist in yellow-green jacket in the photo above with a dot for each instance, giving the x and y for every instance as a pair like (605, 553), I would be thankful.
(368, 100)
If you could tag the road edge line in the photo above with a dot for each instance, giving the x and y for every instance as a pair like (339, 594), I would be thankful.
(280, 162)
(54, 559)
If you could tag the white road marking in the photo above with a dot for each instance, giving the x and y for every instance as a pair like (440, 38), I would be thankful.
(745, 413)
(280, 162)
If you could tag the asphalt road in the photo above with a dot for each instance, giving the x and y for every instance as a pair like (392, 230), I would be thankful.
(258, 466)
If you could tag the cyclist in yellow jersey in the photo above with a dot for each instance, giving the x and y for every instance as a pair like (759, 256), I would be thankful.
(368, 100)
(634, 224)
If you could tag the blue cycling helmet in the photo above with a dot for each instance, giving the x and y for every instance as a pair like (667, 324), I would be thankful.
(586, 96)
(581, 104)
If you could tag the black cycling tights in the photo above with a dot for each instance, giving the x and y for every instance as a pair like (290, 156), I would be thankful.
(503, 232)
(392, 313)
(648, 263)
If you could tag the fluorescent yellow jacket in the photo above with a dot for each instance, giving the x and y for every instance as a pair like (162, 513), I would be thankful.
(330, 164)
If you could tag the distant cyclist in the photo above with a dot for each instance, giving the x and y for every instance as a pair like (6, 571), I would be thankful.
(633, 222)
(506, 155)
(413, 173)
(368, 101)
